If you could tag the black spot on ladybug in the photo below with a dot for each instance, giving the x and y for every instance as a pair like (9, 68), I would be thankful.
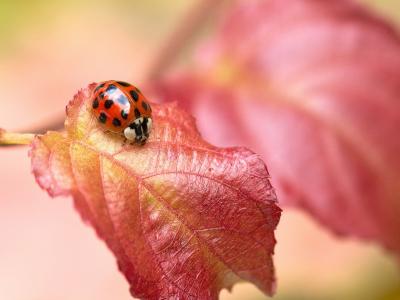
(145, 105)
(99, 87)
(124, 114)
(123, 83)
(108, 103)
(137, 113)
(134, 95)
(111, 88)
(116, 122)
(102, 95)
(103, 118)
(95, 103)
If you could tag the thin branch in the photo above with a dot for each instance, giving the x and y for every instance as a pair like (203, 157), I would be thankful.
(192, 23)
(186, 29)
(19, 139)
(55, 124)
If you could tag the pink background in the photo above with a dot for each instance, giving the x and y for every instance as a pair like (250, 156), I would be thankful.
(48, 52)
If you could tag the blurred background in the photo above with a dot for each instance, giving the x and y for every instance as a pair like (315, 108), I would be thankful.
(50, 49)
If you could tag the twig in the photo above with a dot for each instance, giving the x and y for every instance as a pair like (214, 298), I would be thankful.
(56, 123)
(12, 139)
(191, 24)
(186, 29)
(19, 139)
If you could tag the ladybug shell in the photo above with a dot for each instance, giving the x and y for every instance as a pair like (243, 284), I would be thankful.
(116, 104)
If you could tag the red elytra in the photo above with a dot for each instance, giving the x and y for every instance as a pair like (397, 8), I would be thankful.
(121, 108)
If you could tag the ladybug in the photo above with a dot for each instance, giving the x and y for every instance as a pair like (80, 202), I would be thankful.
(121, 108)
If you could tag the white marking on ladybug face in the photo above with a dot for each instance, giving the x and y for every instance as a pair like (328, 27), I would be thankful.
(130, 133)
(138, 121)
(149, 124)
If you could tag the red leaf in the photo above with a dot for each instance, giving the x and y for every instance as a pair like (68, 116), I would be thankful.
(183, 218)
(314, 86)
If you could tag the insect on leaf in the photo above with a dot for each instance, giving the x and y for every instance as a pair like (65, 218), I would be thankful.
(184, 219)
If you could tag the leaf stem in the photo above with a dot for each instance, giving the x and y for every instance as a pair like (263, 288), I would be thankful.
(14, 139)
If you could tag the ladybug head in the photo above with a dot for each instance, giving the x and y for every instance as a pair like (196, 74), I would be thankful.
(138, 130)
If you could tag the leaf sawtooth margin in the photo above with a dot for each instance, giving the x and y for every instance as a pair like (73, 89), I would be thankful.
(184, 219)
(320, 81)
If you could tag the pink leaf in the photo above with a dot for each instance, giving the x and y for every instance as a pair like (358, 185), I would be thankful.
(184, 219)
(314, 86)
